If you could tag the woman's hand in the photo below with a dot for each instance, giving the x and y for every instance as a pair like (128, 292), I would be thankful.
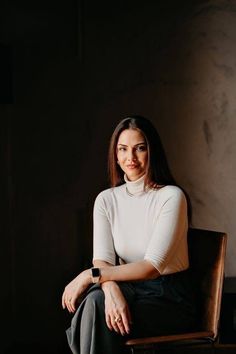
(74, 289)
(116, 308)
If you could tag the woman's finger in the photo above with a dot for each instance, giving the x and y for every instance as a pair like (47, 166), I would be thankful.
(68, 303)
(121, 327)
(126, 323)
(73, 303)
(63, 300)
(114, 324)
(108, 321)
(117, 319)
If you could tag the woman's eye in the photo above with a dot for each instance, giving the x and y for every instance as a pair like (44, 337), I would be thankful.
(141, 148)
(121, 149)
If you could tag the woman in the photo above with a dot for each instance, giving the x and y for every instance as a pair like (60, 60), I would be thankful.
(140, 250)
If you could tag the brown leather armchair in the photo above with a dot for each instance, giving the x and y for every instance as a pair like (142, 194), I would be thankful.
(207, 257)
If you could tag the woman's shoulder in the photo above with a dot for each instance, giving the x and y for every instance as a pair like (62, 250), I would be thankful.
(171, 189)
(108, 193)
(172, 192)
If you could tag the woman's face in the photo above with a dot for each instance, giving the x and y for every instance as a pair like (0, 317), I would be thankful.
(132, 154)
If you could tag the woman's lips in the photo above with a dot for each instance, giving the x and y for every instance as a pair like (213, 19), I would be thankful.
(132, 166)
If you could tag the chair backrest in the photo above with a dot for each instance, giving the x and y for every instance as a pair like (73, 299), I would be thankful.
(207, 257)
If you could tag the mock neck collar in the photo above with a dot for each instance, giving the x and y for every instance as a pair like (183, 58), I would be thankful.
(135, 187)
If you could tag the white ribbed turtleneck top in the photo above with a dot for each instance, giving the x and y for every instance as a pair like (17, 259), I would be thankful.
(139, 224)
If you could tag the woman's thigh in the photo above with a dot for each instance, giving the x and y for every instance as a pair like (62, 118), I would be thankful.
(158, 316)
(162, 306)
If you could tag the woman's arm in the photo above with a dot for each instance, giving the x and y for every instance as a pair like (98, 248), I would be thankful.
(109, 275)
(115, 303)
(141, 270)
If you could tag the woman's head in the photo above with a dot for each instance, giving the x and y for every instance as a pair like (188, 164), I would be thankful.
(136, 149)
(132, 153)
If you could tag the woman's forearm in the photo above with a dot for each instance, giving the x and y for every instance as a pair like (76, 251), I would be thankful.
(142, 270)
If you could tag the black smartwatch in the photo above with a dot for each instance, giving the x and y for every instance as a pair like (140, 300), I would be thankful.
(96, 275)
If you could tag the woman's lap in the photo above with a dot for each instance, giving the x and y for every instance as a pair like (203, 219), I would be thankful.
(160, 307)
(156, 309)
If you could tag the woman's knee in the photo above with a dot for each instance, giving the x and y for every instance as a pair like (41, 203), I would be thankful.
(95, 299)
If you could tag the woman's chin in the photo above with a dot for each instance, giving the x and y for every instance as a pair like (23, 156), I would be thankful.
(133, 176)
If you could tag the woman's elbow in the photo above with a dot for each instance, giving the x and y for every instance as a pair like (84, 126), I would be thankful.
(152, 272)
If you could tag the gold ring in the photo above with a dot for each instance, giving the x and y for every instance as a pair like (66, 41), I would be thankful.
(118, 319)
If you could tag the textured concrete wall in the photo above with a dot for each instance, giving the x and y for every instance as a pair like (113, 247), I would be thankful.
(199, 113)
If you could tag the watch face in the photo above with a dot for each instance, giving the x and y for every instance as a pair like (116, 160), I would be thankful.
(95, 272)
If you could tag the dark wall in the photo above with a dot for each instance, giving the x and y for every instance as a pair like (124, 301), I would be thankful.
(5, 75)
(42, 137)
(71, 64)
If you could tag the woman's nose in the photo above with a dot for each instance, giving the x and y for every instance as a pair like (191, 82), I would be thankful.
(131, 156)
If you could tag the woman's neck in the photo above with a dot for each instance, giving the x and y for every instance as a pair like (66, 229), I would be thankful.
(135, 187)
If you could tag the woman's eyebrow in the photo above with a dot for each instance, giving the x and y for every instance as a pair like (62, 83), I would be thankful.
(142, 143)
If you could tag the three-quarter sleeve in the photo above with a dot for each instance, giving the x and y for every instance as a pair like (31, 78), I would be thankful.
(168, 239)
(103, 246)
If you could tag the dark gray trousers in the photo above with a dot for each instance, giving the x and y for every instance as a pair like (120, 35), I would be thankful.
(162, 306)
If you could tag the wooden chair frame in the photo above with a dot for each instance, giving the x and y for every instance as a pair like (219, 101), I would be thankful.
(207, 251)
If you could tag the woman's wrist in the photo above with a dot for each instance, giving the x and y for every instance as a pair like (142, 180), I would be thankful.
(108, 285)
(88, 276)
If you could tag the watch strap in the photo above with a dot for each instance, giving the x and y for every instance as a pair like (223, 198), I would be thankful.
(96, 274)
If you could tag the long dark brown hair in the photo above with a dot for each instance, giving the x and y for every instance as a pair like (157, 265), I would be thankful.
(158, 173)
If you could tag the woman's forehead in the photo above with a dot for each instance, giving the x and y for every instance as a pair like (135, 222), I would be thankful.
(131, 136)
